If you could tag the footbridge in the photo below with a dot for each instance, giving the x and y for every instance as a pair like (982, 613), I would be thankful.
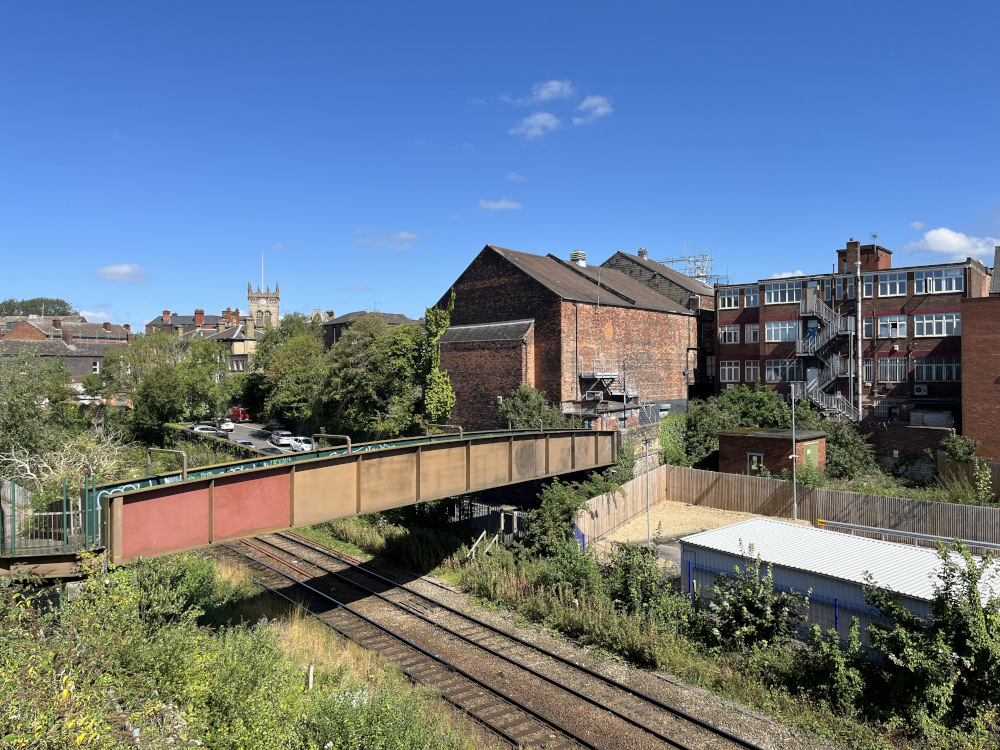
(167, 513)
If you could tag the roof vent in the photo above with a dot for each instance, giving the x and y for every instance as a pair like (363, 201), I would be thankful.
(579, 257)
(643, 253)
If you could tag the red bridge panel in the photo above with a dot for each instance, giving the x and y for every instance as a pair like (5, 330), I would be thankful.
(166, 519)
(247, 504)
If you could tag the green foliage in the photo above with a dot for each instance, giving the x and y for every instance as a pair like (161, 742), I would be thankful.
(159, 399)
(848, 452)
(624, 468)
(294, 373)
(34, 403)
(746, 612)
(93, 384)
(959, 448)
(551, 524)
(673, 440)
(48, 306)
(201, 369)
(632, 579)
(982, 481)
(526, 408)
(833, 671)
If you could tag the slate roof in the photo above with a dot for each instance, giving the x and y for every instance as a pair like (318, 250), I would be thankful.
(510, 330)
(995, 281)
(58, 348)
(235, 333)
(393, 319)
(589, 284)
(682, 280)
(184, 320)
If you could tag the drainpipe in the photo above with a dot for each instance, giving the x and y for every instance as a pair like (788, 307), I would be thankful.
(858, 291)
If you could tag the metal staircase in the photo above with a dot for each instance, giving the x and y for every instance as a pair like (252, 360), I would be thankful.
(606, 377)
(818, 344)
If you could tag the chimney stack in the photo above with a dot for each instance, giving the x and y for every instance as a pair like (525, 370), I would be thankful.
(107, 326)
(199, 318)
(249, 329)
(643, 253)
(166, 317)
(579, 257)
(56, 323)
(67, 336)
(221, 325)
(847, 257)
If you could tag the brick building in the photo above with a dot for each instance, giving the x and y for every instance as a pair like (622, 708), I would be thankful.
(74, 328)
(689, 292)
(804, 328)
(981, 368)
(334, 328)
(80, 357)
(596, 341)
(752, 451)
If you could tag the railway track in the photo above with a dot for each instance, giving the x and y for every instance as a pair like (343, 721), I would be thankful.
(526, 694)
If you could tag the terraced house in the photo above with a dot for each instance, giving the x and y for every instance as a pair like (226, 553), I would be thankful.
(867, 340)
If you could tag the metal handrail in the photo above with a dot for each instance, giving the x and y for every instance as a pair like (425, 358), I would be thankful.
(149, 461)
(852, 527)
(458, 427)
(327, 435)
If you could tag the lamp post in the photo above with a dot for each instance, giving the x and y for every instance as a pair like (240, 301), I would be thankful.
(794, 458)
(649, 534)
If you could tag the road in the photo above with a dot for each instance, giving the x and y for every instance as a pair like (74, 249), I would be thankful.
(256, 434)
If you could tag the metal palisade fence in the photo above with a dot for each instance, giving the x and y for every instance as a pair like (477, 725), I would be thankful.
(69, 524)
(773, 497)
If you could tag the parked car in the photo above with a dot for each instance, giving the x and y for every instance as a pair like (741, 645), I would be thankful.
(301, 443)
(269, 450)
(246, 443)
(280, 437)
(227, 425)
(239, 414)
(202, 428)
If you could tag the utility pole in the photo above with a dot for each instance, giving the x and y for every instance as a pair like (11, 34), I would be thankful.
(794, 457)
(649, 532)
(858, 291)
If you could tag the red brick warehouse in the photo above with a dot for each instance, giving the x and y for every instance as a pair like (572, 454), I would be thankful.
(599, 343)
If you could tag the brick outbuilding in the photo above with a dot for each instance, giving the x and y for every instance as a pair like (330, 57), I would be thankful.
(981, 369)
(599, 344)
(753, 450)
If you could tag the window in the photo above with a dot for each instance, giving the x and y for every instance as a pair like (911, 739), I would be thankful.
(782, 291)
(840, 288)
(892, 326)
(849, 283)
(237, 365)
(938, 281)
(828, 289)
(938, 324)
(892, 369)
(95, 367)
(783, 370)
(751, 371)
(937, 368)
(891, 284)
(710, 366)
(869, 370)
(869, 285)
(729, 334)
(780, 330)
(755, 464)
(751, 333)
(729, 371)
(869, 331)
(750, 297)
(729, 298)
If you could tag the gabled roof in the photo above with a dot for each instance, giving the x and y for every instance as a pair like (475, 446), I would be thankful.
(58, 347)
(591, 284)
(682, 280)
(184, 320)
(393, 319)
(235, 333)
(510, 330)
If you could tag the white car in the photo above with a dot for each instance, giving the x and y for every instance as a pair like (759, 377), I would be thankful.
(280, 437)
(301, 443)
(203, 428)
(227, 425)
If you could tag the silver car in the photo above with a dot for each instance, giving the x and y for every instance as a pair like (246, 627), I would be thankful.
(301, 443)
(280, 437)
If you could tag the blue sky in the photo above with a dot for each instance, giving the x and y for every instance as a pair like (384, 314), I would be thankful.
(151, 152)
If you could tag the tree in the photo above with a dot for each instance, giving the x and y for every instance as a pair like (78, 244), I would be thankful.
(125, 368)
(551, 524)
(526, 408)
(294, 376)
(438, 396)
(201, 369)
(848, 452)
(36, 306)
(160, 398)
(33, 401)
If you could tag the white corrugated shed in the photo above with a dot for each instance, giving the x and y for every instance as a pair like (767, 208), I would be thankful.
(909, 570)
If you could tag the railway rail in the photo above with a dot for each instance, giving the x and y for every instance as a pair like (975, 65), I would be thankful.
(525, 693)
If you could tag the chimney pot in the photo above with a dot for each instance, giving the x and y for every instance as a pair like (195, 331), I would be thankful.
(56, 323)
(128, 327)
(643, 253)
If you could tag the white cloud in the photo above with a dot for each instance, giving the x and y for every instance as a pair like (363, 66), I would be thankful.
(283, 247)
(917, 225)
(786, 274)
(546, 91)
(477, 102)
(504, 204)
(468, 146)
(127, 273)
(594, 108)
(99, 317)
(515, 177)
(536, 125)
(358, 288)
(954, 245)
(377, 238)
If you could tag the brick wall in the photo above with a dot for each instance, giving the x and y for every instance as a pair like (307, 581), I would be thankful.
(479, 372)
(981, 374)
(902, 449)
(24, 331)
(733, 450)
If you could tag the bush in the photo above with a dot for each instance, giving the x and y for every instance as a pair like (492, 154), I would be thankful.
(959, 448)
(848, 452)
(834, 672)
(673, 438)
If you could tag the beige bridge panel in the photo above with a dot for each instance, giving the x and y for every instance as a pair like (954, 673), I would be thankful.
(443, 470)
(323, 491)
(489, 463)
(560, 454)
(388, 479)
(529, 458)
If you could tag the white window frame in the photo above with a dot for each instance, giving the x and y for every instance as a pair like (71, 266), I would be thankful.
(750, 464)
(751, 296)
(751, 371)
(869, 282)
(95, 366)
(868, 327)
(892, 285)
(892, 369)
(869, 368)
(892, 327)
(729, 299)
(937, 368)
(729, 371)
(781, 330)
(935, 325)
(782, 292)
(729, 334)
(751, 333)
(783, 370)
(939, 281)
(849, 287)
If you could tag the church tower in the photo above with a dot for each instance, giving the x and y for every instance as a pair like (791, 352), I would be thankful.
(263, 306)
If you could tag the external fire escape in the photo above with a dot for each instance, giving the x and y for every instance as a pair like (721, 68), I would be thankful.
(605, 386)
(821, 342)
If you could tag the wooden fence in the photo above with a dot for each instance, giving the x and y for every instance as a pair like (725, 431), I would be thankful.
(773, 497)
(946, 468)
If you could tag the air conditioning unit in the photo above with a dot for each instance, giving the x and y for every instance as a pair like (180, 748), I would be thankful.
(593, 396)
(920, 390)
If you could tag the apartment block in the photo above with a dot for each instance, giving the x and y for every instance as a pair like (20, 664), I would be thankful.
(807, 329)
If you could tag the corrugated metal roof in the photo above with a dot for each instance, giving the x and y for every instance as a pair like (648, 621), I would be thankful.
(510, 330)
(910, 571)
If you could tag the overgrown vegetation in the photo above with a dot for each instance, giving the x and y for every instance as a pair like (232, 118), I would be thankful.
(526, 408)
(133, 660)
